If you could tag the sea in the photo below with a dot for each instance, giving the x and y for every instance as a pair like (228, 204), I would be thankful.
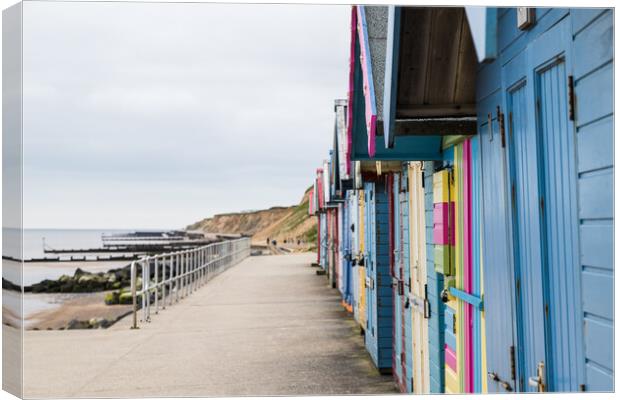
(36, 240)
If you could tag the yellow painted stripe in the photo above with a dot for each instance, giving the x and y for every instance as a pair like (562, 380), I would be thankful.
(452, 381)
(440, 187)
(458, 265)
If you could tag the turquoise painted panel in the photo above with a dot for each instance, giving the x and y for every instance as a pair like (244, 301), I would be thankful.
(599, 379)
(597, 244)
(488, 80)
(595, 149)
(594, 95)
(596, 195)
(598, 288)
(599, 331)
(546, 18)
(581, 17)
(597, 41)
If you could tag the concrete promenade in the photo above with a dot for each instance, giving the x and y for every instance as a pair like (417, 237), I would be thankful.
(268, 326)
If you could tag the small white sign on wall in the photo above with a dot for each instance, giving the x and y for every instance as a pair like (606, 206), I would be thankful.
(526, 17)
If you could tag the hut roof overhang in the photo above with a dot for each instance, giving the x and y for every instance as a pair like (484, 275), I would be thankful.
(431, 60)
(412, 78)
(366, 82)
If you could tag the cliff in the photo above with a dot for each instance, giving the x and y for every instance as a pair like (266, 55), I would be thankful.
(275, 223)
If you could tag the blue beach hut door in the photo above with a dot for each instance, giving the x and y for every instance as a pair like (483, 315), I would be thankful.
(541, 142)
(371, 308)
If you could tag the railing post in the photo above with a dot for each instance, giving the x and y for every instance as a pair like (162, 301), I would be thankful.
(133, 295)
(177, 283)
(182, 275)
(156, 285)
(146, 286)
(163, 283)
(143, 290)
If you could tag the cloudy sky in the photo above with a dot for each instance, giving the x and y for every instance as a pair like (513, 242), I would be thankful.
(157, 115)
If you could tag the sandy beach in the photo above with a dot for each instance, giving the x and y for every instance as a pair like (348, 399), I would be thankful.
(55, 310)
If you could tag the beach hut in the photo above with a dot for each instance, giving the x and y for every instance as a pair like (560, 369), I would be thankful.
(362, 256)
(379, 324)
(545, 106)
(402, 366)
(418, 281)
(523, 142)
(429, 113)
(368, 44)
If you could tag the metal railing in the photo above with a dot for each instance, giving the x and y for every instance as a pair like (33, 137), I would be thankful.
(167, 278)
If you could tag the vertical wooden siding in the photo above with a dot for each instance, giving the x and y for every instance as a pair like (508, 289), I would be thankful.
(435, 282)
(593, 73)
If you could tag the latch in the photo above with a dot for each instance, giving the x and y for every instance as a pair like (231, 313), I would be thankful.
(427, 304)
(571, 98)
(454, 324)
(370, 283)
(493, 376)
(502, 127)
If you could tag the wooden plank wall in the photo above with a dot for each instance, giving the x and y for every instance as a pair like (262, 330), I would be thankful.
(384, 279)
(593, 74)
(435, 286)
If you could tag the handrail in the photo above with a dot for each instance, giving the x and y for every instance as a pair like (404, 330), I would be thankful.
(182, 272)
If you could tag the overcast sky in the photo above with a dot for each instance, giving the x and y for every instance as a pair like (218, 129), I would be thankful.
(156, 115)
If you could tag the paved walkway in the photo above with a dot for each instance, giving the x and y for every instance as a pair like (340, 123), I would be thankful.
(268, 326)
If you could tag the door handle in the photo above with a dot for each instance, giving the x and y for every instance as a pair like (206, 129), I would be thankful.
(533, 381)
(538, 381)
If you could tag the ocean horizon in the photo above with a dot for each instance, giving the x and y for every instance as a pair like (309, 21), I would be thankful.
(35, 239)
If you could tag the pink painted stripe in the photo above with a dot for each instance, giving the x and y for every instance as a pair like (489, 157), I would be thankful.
(466, 325)
(450, 357)
(351, 87)
(468, 266)
(371, 119)
(443, 226)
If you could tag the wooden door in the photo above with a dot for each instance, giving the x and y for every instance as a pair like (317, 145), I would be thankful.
(417, 265)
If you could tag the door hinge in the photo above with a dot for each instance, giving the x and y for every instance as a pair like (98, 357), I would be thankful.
(423, 183)
(510, 127)
(571, 98)
(513, 195)
(502, 127)
(512, 363)
(542, 204)
(490, 126)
